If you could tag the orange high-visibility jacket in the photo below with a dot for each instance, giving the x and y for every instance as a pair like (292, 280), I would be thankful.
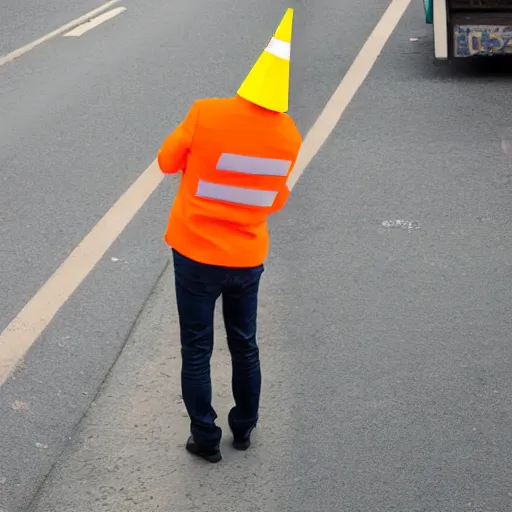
(235, 157)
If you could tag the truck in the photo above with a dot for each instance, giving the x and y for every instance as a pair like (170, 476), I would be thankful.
(470, 28)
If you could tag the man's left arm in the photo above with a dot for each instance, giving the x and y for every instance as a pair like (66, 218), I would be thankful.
(172, 156)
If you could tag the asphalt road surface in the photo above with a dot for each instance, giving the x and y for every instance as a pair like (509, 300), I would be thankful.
(385, 309)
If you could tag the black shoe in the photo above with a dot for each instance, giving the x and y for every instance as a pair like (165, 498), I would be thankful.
(242, 442)
(211, 455)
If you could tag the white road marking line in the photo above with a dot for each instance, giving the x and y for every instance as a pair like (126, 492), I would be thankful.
(61, 30)
(348, 87)
(33, 319)
(90, 24)
(37, 314)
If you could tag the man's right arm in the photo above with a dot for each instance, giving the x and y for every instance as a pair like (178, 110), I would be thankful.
(284, 193)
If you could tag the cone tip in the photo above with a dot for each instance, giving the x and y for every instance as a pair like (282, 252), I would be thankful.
(288, 15)
(284, 30)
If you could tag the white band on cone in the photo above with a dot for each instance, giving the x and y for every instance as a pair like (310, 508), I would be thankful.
(279, 48)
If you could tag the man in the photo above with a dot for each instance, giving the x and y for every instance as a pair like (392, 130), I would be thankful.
(236, 155)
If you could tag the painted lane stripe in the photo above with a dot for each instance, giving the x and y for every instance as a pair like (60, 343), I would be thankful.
(61, 30)
(37, 314)
(33, 319)
(89, 25)
(348, 87)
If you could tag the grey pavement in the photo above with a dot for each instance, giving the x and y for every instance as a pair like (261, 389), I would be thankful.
(24, 22)
(384, 317)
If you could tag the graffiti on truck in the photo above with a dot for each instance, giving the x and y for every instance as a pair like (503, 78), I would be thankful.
(484, 40)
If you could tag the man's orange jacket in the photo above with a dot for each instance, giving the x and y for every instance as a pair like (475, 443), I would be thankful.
(236, 158)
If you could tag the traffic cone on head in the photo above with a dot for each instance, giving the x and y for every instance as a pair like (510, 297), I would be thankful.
(268, 82)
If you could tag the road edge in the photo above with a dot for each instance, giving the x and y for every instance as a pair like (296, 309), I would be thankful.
(67, 431)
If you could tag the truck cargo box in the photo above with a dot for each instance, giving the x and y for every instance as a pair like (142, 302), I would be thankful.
(470, 28)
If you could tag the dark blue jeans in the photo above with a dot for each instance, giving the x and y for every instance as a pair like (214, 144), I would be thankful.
(198, 286)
